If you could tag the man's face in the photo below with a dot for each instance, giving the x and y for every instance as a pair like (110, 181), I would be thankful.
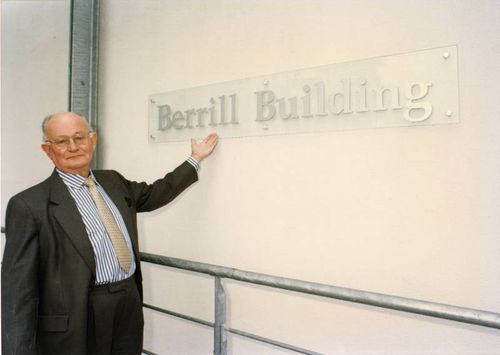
(71, 145)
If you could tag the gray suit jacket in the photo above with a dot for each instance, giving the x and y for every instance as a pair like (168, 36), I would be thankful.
(48, 264)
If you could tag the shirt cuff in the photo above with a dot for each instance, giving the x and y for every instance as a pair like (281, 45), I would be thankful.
(194, 163)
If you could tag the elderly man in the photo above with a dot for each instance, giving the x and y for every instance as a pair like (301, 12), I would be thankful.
(71, 276)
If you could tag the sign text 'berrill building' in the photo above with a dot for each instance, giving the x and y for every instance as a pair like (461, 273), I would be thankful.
(418, 88)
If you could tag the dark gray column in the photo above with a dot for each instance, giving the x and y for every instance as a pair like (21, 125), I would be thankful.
(84, 54)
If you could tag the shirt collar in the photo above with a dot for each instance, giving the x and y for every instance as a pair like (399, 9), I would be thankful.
(74, 181)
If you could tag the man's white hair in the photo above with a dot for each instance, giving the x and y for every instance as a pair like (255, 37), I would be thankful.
(48, 118)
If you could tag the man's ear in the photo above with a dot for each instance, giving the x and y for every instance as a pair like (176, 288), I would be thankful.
(47, 149)
(93, 137)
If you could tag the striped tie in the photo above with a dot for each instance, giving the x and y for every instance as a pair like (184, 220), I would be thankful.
(114, 232)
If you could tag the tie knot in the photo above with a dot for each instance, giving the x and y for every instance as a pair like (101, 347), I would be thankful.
(89, 182)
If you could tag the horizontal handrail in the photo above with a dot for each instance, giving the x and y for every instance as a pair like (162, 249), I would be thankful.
(232, 330)
(179, 315)
(437, 310)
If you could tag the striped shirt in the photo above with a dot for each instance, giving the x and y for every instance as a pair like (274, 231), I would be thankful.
(108, 269)
(194, 163)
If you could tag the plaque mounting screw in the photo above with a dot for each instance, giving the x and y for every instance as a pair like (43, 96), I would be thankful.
(266, 82)
(152, 136)
(449, 113)
(446, 55)
(152, 101)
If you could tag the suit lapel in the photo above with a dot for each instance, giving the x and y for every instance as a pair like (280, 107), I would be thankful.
(68, 216)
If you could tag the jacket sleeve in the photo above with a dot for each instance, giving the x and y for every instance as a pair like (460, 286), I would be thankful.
(148, 197)
(20, 280)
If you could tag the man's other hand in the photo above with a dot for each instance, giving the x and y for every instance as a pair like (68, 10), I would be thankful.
(203, 149)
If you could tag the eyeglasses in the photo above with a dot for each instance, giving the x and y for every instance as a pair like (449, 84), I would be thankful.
(79, 139)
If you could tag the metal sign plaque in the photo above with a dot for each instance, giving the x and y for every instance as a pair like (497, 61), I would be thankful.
(411, 89)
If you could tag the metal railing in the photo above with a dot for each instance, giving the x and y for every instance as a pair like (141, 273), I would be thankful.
(437, 310)
(431, 309)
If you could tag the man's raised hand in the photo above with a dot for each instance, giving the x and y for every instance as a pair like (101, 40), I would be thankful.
(201, 150)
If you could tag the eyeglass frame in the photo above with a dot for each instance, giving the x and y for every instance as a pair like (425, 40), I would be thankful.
(67, 140)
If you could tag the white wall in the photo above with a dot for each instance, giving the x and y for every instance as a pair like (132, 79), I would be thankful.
(35, 59)
(405, 211)
(34, 82)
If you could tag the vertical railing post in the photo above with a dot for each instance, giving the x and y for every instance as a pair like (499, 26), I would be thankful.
(220, 339)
